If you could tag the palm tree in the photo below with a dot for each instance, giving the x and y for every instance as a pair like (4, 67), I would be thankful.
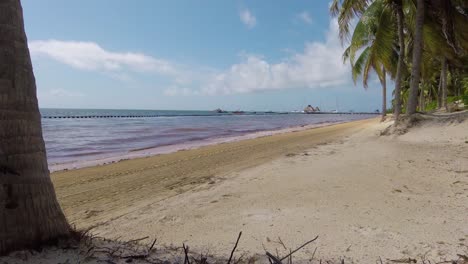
(374, 34)
(347, 10)
(416, 62)
(29, 213)
(441, 26)
(398, 7)
(448, 22)
(442, 29)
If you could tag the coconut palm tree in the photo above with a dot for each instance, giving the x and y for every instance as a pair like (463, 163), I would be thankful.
(398, 7)
(446, 18)
(441, 26)
(374, 37)
(347, 10)
(29, 211)
(450, 20)
(416, 61)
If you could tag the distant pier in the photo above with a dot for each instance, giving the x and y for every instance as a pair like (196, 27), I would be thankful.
(110, 116)
(224, 114)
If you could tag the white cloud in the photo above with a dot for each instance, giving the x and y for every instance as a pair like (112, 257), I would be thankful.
(319, 65)
(305, 17)
(248, 18)
(91, 56)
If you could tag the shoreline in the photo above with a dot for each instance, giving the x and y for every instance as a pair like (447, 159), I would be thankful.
(92, 195)
(159, 150)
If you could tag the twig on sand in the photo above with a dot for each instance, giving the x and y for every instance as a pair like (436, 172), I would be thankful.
(136, 240)
(277, 260)
(187, 260)
(269, 259)
(313, 254)
(235, 246)
(408, 260)
(152, 245)
(273, 259)
(282, 243)
(297, 249)
(140, 256)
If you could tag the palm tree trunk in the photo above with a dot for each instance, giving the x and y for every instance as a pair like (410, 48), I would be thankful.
(421, 97)
(417, 54)
(401, 57)
(384, 94)
(443, 81)
(439, 92)
(429, 92)
(29, 212)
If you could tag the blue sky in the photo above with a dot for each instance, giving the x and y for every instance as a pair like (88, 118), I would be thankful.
(250, 55)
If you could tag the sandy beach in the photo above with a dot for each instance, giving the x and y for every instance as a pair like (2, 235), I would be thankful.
(366, 196)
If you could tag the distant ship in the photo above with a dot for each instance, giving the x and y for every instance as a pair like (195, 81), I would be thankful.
(310, 109)
(238, 112)
(220, 111)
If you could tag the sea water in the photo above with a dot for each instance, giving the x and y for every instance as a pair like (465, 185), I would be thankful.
(79, 140)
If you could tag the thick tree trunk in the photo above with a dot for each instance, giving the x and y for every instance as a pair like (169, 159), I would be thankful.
(443, 82)
(401, 57)
(417, 54)
(384, 95)
(29, 211)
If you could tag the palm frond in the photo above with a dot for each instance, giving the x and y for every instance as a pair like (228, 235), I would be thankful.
(335, 8)
(346, 54)
(356, 68)
(385, 40)
(367, 70)
(346, 11)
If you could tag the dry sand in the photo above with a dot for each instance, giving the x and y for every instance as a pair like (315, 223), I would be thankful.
(366, 196)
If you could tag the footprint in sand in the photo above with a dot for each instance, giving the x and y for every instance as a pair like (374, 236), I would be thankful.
(169, 219)
(375, 232)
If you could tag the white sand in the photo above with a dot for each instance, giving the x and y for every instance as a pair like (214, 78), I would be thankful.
(365, 196)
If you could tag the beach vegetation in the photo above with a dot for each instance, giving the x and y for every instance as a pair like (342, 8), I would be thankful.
(422, 45)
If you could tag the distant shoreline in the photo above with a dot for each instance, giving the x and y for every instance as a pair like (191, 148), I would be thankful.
(214, 114)
(227, 112)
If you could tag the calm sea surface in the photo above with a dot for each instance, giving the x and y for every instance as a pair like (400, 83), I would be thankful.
(85, 139)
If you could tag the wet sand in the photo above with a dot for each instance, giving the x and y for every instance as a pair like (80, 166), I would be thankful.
(95, 195)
